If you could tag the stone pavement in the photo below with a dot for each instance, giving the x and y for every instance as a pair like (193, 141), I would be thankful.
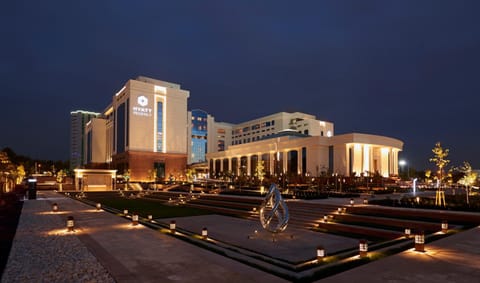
(106, 248)
(452, 259)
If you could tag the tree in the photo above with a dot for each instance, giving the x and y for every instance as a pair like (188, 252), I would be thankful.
(260, 171)
(468, 179)
(60, 176)
(440, 159)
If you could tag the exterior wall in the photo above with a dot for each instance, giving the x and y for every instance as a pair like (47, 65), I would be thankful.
(141, 164)
(351, 151)
(96, 141)
(78, 120)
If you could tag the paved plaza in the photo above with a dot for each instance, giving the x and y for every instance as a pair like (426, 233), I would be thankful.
(107, 248)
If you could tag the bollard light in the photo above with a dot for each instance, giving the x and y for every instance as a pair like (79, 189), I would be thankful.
(352, 201)
(444, 226)
(407, 232)
(320, 253)
(55, 207)
(99, 206)
(204, 233)
(125, 211)
(134, 218)
(344, 210)
(70, 224)
(325, 218)
(365, 201)
(150, 217)
(173, 226)
(339, 210)
(420, 242)
(363, 248)
(417, 199)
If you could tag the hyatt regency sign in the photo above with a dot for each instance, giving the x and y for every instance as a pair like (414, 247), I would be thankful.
(141, 108)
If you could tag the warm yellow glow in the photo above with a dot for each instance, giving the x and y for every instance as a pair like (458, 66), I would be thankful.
(51, 212)
(163, 99)
(366, 158)
(109, 111)
(160, 89)
(128, 226)
(322, 124)
(120, 91)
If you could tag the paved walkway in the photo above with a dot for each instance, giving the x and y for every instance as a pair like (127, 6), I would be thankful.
(106, 248)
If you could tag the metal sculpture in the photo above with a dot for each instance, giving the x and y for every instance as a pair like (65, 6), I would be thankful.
(273, 211)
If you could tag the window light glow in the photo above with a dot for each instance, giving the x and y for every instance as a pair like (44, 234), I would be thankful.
(160, 89)
(163, 99)
(120, 91)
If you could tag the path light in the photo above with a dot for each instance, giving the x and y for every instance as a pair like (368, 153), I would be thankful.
(408, 232)
(149, 217)
(418, 200)
(125, 211)
(320, 253)
(134, 218)
(365, 201)
(352, 201)
(55, 207)
(173, 226)
(344, 210)
(420, 242)
(444, 226)
(204, 233)
(363, 248)
(325, 218)
(339, 210)
(70, 224)
(99, 206)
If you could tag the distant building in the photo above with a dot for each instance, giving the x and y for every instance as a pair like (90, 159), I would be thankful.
(197, 136)
(78, 120)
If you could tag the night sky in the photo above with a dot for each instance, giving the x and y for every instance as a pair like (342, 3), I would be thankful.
(404, 69)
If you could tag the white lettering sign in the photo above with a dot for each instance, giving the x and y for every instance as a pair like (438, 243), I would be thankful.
(142, 110)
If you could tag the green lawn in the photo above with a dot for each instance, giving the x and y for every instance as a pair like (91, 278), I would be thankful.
(146, 207)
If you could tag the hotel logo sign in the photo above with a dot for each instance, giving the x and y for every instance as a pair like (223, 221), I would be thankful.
(141, 108)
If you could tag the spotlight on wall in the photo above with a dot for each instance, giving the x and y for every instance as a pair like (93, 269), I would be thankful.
(55, 207)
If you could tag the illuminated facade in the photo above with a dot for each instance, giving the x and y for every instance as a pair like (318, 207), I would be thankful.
(290, 152)
(145, 130)
(148, 132)
(198, 136)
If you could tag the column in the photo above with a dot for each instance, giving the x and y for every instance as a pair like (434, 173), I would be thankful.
(299, 161)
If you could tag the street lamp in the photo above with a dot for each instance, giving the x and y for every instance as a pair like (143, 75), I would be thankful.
(402, 164)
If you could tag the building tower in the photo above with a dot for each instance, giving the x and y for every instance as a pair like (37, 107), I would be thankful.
(78, 120)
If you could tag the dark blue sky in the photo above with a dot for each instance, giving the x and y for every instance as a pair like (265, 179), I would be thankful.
(405, 69)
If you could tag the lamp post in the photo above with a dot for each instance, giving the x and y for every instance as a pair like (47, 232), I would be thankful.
(320, 253)
(402, 164)
(363, 248)
(420, 242)
(204, 233)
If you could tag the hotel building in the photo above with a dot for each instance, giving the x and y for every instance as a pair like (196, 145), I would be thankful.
(144, 130)
(148, 130)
